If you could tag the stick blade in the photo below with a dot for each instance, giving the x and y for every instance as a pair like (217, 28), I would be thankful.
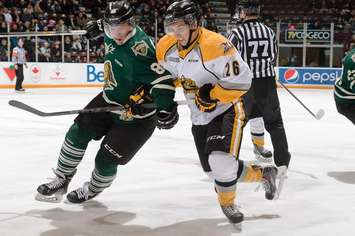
(23, 106)
(320, 114)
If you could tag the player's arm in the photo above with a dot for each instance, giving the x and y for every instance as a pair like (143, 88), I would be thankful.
(234, 80)
(161, 88)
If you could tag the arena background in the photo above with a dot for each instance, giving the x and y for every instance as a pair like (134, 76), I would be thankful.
(163, 191)
(312, 34)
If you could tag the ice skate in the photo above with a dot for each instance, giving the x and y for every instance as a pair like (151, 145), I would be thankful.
(262, 155)
(269, 181)
(54, 190)
(81, 194)
(233, 214)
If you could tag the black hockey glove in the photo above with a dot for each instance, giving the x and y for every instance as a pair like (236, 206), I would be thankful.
(168, 119)
(203, 100)
(94, 29)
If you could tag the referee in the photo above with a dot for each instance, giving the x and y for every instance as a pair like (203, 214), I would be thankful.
(257, 45)
(19, 59)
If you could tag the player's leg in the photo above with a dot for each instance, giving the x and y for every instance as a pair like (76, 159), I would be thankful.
(257, 136)
(118, 148)
(85, 128)
(224, 151)
(347, 110)
(223, 141)
(199, 133)
(274, 125)
(256, 122)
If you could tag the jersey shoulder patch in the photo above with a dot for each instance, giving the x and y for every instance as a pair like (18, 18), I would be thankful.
(140, 48)
(164, 45)
(214, 45)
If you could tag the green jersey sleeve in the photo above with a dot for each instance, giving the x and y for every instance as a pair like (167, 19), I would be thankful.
(155, 77)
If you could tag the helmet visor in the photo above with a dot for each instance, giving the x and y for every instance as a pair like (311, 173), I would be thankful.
(115, 31)
(176, 27)
(173, 25)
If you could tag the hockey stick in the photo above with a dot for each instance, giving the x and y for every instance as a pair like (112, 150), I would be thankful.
(117, 109)
(320, 113)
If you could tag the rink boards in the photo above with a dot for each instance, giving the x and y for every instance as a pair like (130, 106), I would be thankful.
(51, 75)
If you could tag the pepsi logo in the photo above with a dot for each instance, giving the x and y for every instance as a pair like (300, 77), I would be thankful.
(291, 75)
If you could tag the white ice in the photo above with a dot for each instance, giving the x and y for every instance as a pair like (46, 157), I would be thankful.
(163, 190)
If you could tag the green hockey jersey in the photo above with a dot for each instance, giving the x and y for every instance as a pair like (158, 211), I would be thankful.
(129, 66)
(344, 89)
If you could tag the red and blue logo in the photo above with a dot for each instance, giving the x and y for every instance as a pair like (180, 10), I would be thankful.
(291, 76)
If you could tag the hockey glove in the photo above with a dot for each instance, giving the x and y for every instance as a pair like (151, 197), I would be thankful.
(94, 29)
(136, 101)
(203, 100)
(168, 119)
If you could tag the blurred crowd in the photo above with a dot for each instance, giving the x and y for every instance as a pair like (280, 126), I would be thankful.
(64, 15)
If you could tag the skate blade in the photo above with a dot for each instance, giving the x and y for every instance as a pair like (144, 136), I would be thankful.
(281, 176)
(237, 226)
(56, 198)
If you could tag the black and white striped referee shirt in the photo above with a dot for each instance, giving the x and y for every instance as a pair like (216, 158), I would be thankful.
(257, 44)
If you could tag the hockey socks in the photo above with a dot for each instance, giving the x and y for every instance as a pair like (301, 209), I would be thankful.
(73, 149)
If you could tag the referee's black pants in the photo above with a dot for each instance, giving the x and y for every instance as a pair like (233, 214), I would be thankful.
(262, 101)
(19, 77)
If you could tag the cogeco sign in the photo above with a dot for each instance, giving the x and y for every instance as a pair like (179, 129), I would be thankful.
(309, 76)
(311, 35)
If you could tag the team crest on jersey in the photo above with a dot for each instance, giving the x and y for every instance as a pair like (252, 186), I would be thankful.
(188, 85)
(353, 58)
(109, 48)
(109, 77)
(226, 46)
(140, 48)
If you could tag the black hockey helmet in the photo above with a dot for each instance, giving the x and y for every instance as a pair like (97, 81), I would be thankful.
(250, 7)
(118, 12)
(185, 10)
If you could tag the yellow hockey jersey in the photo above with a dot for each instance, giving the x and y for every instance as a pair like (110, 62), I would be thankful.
(211, 58)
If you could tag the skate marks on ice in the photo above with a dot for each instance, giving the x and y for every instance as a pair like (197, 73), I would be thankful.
(96, 219)
(347, 177)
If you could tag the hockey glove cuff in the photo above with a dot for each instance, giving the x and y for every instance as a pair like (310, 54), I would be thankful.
(168, 119)
(203, 100)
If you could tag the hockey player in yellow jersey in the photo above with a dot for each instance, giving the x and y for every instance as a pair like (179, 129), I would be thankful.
(214, 78)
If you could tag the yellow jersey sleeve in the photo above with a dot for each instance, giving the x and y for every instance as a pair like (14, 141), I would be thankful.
(163, 47)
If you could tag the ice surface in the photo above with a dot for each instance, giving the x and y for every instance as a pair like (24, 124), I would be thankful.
(163, 190)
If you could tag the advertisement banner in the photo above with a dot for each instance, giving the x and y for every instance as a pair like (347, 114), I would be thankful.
(53, 75)
(312, 35)
(42, 75)
(309, 75)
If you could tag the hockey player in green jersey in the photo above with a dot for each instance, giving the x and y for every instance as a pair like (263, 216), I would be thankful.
(132, 78)
(344, 90)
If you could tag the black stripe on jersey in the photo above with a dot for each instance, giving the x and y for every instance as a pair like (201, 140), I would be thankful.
(257, 45)
(203, 64)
